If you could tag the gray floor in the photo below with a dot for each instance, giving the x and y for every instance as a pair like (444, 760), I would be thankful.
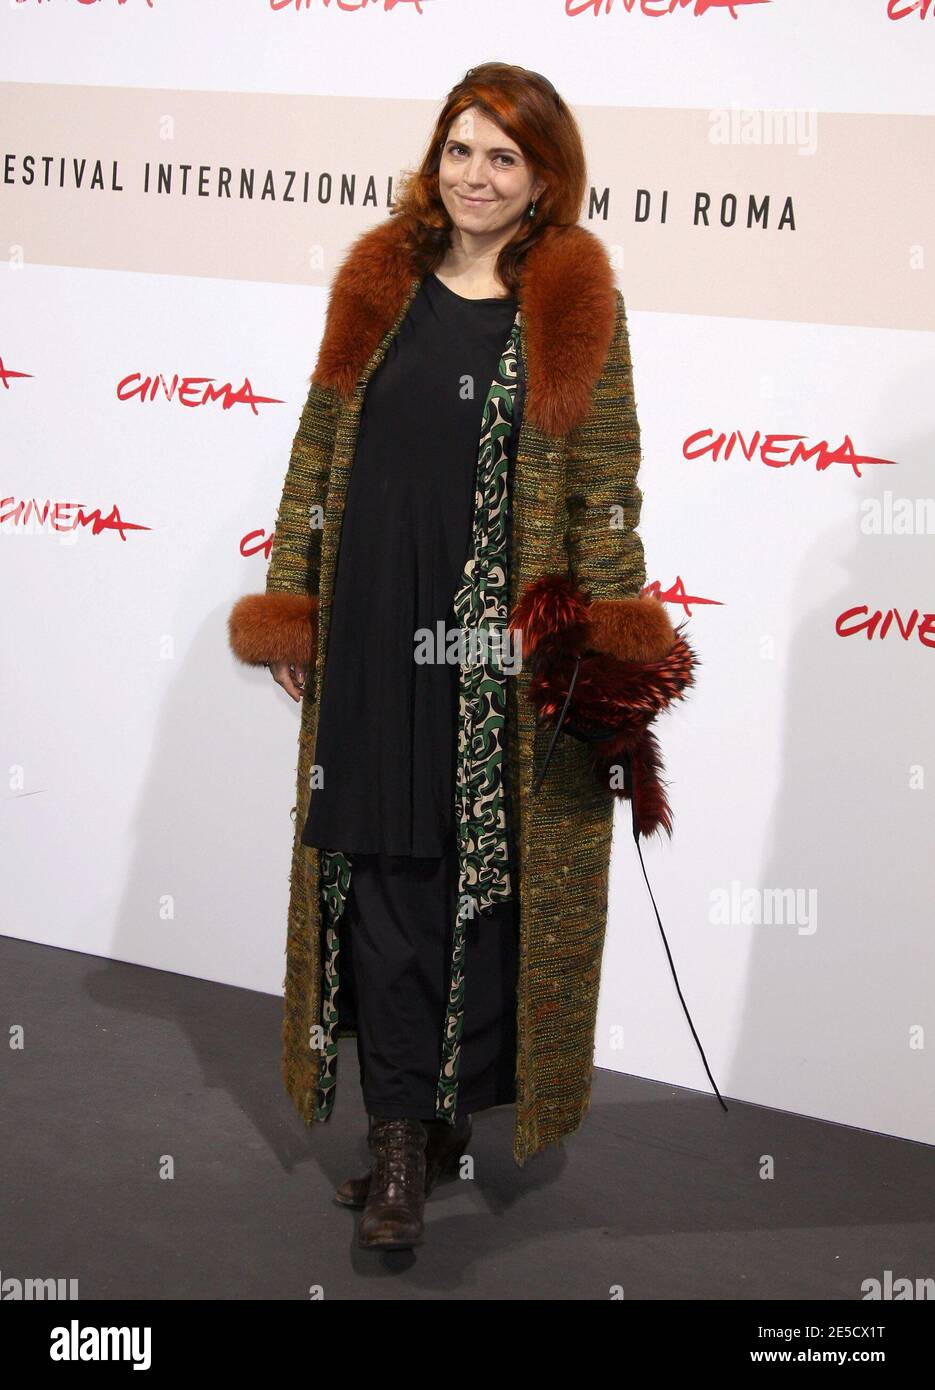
(658, 1193)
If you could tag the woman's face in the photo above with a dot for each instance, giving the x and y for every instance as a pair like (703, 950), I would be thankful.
(484, 181)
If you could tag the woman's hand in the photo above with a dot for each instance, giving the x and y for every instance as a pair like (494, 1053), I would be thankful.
(289, 676)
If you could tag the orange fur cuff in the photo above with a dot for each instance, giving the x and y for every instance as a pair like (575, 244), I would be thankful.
(632, 629)
(274, 627)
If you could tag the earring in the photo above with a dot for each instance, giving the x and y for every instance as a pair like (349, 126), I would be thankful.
(532, 210)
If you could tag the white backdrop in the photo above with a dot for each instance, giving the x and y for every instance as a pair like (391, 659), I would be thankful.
(149, 778)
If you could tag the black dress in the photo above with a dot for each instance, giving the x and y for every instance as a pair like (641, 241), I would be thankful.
(386, 740)
(387, 725)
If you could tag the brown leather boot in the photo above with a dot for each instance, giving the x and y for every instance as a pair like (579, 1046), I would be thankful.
(392, 1215)
(446, 1144)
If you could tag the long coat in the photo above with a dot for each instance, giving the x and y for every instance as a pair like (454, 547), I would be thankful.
(576, 572)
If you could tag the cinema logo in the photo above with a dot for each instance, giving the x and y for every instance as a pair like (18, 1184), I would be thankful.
(68, 520)
(658, 9)
(777, 450)
(8, 374)
(77, 1343)
(147, 4)
(260, 543)
(37, 1290)
(905, 9)
(191, 391)
(861, 621)
(677, 594)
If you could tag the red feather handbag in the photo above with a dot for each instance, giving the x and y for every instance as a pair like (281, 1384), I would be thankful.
(601, 672)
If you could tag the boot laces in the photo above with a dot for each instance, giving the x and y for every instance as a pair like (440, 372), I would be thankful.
(397, 1153)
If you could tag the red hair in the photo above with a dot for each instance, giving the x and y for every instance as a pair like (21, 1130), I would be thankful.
(527, 107)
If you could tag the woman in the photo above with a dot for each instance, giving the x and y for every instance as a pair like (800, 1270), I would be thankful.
(470, 440)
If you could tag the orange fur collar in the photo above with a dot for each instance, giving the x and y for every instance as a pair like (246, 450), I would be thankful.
(567, 298)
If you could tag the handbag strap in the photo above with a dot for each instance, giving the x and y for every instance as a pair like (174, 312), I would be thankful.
(558, 728)
(628, 784)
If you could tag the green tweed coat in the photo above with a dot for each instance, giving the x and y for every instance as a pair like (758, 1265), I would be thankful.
(575, 507)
